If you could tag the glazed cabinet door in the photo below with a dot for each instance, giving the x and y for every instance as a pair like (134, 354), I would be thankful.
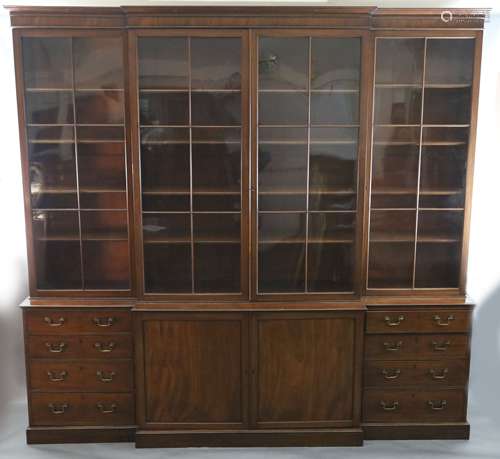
(192, 370)
(306, 369)
(71, 89)
(191, 138)
(423, 132)
(307, 121)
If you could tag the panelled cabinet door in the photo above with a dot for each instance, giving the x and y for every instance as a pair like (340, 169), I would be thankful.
(75, 159)
(192, 137)
(193, 370)
(421, 129)
(305, 369)
(307, 119)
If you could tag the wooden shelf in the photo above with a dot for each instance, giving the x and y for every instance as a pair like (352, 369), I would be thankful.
(195, 192)
(398, 85)
(310, 241)
(304, 191)
(405, 191)
(88, 237)
(173, 240)
(193, 90)
(394, 238)
(447, 85)
(58, 190)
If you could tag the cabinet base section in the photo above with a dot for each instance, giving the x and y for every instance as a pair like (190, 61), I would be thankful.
(248, 438)
(450, 431)
(46, 435)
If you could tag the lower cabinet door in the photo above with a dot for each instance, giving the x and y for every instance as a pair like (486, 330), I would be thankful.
(306, 369)
(191, 370)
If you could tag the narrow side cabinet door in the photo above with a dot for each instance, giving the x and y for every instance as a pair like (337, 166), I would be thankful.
(305, 370)
(191, 371)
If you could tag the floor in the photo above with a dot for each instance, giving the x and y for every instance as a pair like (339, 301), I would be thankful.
(484, 444)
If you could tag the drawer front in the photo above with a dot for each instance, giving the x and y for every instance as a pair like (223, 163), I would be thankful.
(61, 321)
(429, 373)
(410, 406)
(113, 346)
(58, 376)
(82, 409)
(416, 347)
(428, 321)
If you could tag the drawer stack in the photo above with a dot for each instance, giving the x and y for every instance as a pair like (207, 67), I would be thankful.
(416, 366)
(80, 367)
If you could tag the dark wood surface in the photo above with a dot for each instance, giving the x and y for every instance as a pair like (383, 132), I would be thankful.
(305, 370)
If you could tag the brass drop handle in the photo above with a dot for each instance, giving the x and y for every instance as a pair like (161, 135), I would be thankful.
(436, 376)
(437, 406)
(54, 323)
(393, 347)
(104, 321)
(440, 323)
(386, 407)
(61, 409)
(55, 348)
(57, 377)
(105, 378)
(441, 347)
(390, 322)
(101, 347)
(391, 374)
(103, 410)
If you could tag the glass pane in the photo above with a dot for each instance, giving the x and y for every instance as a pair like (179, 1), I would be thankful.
(167, 252)
(437, 265)
(398, 105)
(215, 63)
(282, 252)
(163, 62)
(283, 63)
(330, 267)
(49, 107)
(399, 61)
(335, 108)
(98, 63)
(392, 245)
(105, 250)
(57, 249)
(217, 243)
(216, 109)
(282, 108)
(164, 108)
(47, 62)
(447, 105)
(449, 61)
(340, 73)
(100, 107)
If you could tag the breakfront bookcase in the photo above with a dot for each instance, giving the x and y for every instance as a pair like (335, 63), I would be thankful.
(247, 226)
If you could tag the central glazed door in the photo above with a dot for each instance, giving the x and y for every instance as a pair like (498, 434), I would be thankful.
(190, 137)
(305, 369)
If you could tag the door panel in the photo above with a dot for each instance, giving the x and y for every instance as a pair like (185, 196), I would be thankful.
(305, 369)
(194, 371)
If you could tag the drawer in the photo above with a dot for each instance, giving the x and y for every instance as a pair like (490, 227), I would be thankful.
(412, 406)
(103, 376)
(429, 373)
(61, 321)
(416, 347)
(111, 346)
(82, 409)
(428, 321)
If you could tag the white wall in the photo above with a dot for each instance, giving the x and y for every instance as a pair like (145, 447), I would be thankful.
(484, 265)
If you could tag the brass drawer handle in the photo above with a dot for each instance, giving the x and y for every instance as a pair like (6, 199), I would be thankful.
(104, 321)
(440, 323)
(437, 406)
(386, 407)
(102, 347)
(391, 374)
(105, 378)
(61, 409)
(103, 410)
(54, 323)
(56, 348)
(436, 376)
(393, 347)
(57, 377)
(393, 322)
(441, 347)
